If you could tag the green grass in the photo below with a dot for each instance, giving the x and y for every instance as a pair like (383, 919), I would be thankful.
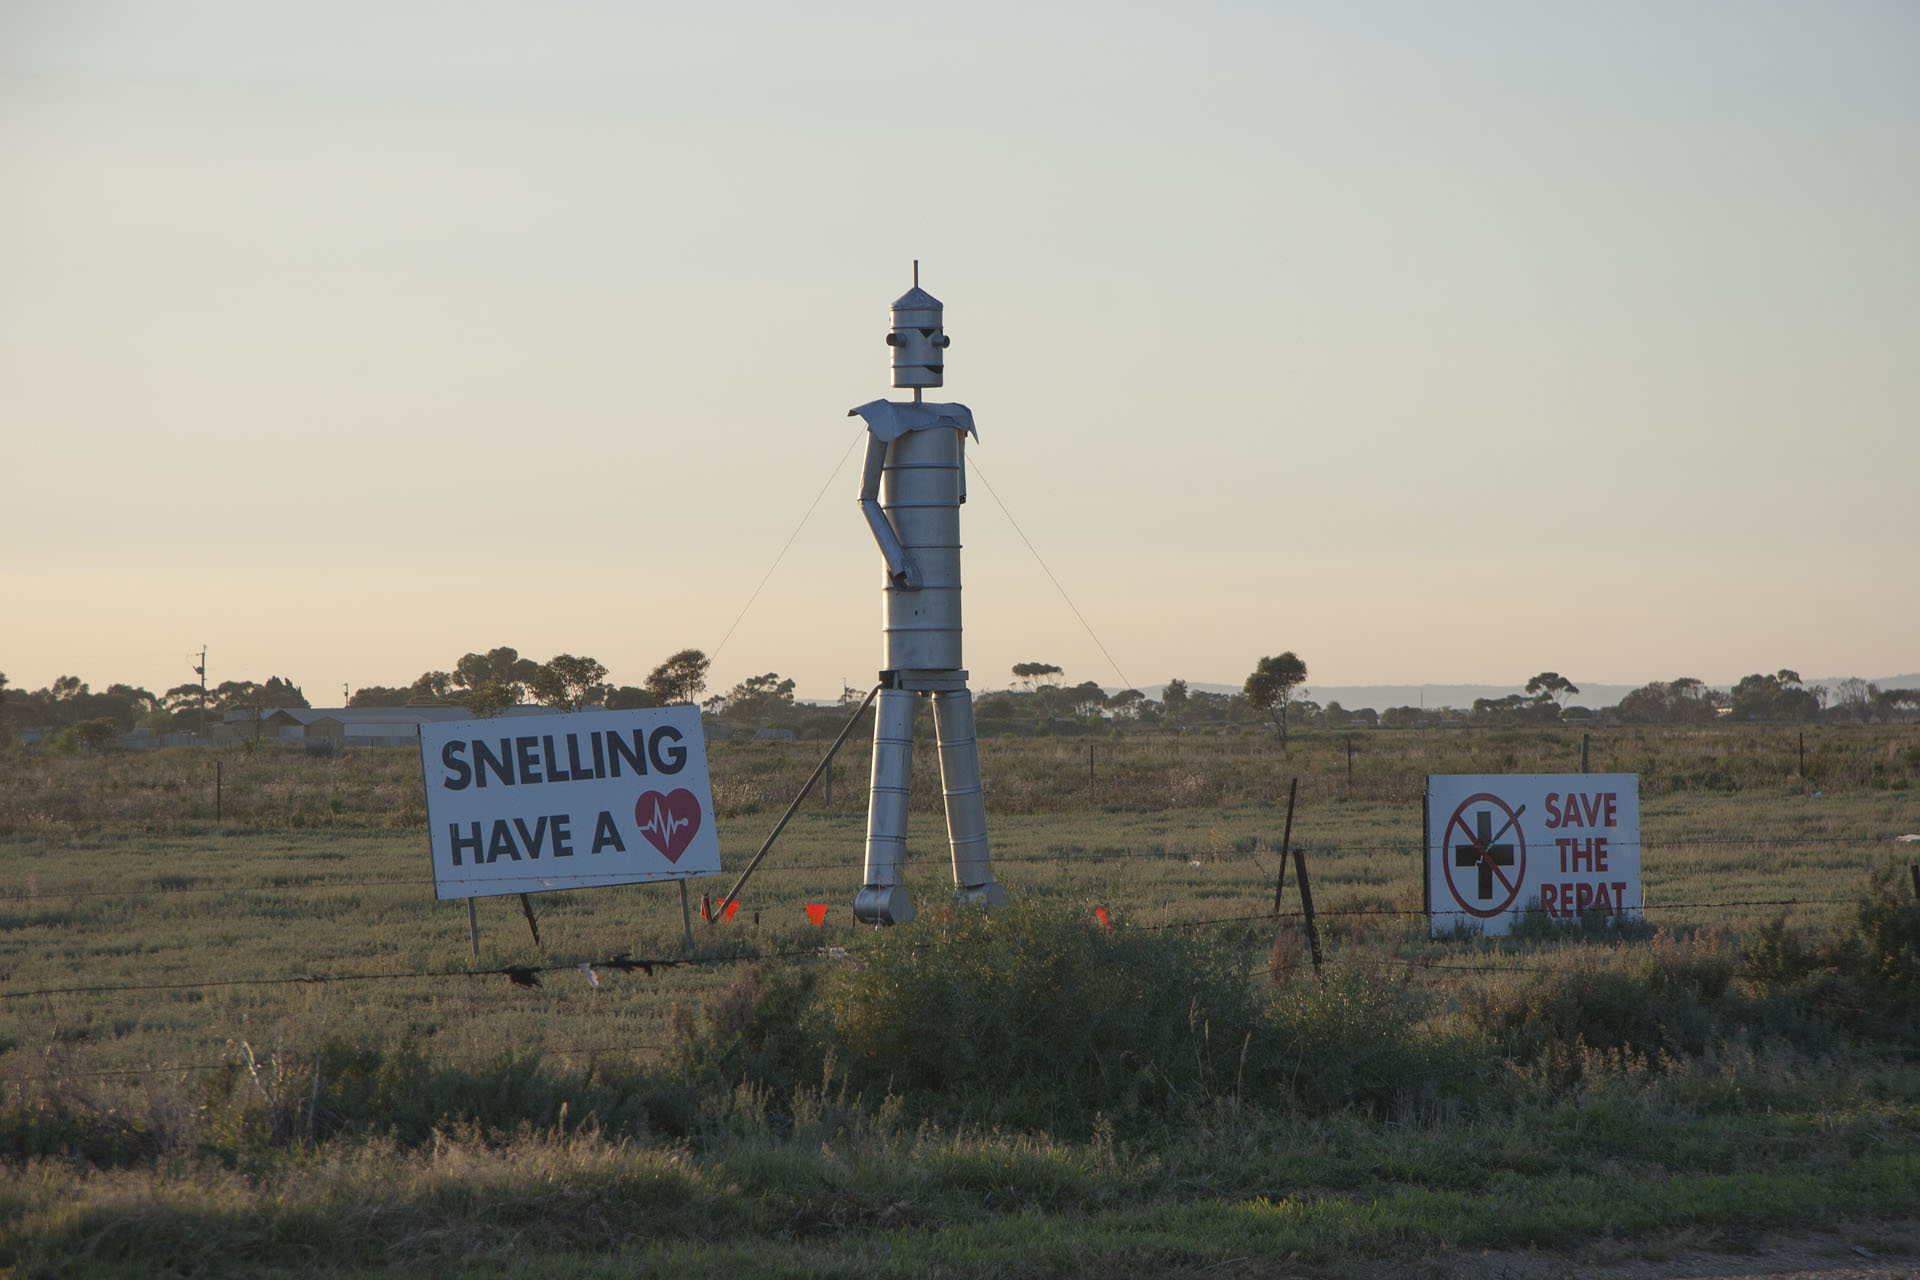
(1163, 1096)
(1321, 1191)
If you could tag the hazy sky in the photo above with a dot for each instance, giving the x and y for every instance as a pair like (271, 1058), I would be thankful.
(1434, 342)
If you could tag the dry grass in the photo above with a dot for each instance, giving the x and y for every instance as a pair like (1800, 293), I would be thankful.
(279, 787)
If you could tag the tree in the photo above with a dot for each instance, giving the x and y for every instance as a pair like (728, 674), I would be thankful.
(1173, 699)
(278, 691)
(485, 683)
(235, 695)
(629, 698)
(1029, 672)
(376, 695)
(139, 701)
(1552, 685)
(490, 697)
(1514, 709)
(432, 689)
(570, 683)
(1854, 699)
(1270, 688)
(180, 699)
(762, 699)
(1775, 697)
(1085, 698)
(1899, 703)
(681, 678)
(497, 673)
(98, 734)
(1127, 703)
(1682, 701)
(126, 704)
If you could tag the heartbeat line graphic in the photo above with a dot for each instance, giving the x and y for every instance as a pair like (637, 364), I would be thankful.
(668, 822)
(663, 823)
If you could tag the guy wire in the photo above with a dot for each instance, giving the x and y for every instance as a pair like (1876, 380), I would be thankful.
(1124, 682)
(831, 476)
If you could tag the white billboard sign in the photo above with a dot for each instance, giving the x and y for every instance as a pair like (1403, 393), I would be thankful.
(1563, 844)
(568, 801)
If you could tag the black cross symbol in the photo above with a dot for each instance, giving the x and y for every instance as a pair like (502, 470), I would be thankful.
(1483, 853)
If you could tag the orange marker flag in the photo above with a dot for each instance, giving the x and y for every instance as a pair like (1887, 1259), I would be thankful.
(817, 912)
(1102, 913)
(733, 905)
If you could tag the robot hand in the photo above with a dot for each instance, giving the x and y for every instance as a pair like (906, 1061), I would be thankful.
(908, 577)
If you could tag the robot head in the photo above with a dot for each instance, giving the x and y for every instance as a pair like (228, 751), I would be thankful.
(919, 344)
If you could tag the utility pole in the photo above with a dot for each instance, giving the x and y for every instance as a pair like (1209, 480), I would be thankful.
(200, 669)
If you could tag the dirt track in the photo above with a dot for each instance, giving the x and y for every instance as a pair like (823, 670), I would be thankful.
(1862, 1251)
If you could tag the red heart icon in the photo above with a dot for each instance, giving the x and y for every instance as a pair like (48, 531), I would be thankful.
(669, 822)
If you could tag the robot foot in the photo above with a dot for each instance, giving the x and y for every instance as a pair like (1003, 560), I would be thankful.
(882, 904)
(991, 894)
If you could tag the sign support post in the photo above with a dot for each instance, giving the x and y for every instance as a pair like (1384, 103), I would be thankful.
(533, 926)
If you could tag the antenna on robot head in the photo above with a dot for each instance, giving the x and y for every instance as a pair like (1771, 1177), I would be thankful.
(916, 273)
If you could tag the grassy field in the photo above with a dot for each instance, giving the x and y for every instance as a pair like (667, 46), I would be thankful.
(256, 1042)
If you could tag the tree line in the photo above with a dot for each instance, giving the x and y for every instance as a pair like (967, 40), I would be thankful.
(1039, 701)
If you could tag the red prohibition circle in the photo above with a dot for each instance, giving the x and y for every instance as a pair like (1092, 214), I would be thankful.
(1519, 867)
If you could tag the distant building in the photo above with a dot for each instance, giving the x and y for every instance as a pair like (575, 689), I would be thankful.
(347, 726)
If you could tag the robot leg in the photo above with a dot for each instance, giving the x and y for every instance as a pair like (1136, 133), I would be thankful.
(884, 899)
(966, 804)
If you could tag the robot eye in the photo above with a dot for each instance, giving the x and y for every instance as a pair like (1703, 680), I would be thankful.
(893, 339)
(942, 341)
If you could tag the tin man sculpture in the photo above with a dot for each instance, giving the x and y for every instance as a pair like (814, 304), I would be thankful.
(910, 492)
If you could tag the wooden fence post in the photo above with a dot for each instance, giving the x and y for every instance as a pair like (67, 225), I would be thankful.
(1286, 842)
(1306, 906)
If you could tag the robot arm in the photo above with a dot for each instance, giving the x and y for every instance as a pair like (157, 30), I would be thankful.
(900, 566)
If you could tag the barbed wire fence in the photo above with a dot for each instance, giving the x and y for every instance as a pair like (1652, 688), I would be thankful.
(1443, 959)
(168, 886)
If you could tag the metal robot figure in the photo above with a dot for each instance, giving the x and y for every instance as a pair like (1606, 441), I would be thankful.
(910, 492)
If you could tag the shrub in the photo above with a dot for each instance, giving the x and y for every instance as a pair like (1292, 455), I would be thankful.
(1611, 1001)
(1357, 1040)
(1865, 981)
(1035, 1016)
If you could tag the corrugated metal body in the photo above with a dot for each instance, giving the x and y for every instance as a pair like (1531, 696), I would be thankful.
(920, 493)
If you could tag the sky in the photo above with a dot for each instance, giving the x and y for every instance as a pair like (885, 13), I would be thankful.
(1435, 343)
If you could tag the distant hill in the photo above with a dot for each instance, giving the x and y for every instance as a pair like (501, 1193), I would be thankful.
(1382, 696)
